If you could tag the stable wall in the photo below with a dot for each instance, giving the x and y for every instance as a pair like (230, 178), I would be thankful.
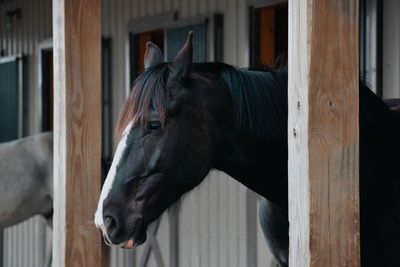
(218, 218)
(27, 244)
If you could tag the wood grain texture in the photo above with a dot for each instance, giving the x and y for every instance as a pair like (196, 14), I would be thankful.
(323, 133)
(77, 132)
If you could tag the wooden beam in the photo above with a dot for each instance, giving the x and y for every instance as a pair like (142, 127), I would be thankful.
(77, 132)
(323, 133)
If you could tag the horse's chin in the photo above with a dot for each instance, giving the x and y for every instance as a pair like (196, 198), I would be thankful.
(138, 238)
(131, 243)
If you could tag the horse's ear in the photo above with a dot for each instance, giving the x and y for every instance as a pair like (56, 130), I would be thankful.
(181, 67)
(153, 55)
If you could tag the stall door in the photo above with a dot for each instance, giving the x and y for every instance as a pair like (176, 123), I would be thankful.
(137, 47)
(47, 90)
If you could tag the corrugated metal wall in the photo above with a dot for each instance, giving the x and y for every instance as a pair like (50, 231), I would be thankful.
(25, 244)
(23, 36)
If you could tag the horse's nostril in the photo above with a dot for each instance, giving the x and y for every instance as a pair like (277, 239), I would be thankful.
(113, 229)
(110, 222)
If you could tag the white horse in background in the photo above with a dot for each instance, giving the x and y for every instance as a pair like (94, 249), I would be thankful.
(26, 180)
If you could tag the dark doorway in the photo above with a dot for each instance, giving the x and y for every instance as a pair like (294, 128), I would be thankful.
(47, 90)
(269, 35)
(138, 47)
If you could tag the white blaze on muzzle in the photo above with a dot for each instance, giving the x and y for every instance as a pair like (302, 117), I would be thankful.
(98, 219)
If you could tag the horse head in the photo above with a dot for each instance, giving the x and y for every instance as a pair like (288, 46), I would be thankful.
(167, 136)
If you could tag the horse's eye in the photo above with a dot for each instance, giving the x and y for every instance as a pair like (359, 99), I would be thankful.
(153, 125)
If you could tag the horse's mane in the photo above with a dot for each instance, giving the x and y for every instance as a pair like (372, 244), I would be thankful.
(148, 90)
(259, 97)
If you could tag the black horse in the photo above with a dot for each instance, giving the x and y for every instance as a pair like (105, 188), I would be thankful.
(183, 119)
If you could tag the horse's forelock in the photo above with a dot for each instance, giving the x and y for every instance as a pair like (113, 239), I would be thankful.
(147, 92)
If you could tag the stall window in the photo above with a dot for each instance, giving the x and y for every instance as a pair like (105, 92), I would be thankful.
(11, 98)
(138, 47)
(269, 35)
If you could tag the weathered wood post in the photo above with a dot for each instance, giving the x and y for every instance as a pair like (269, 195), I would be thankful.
(77, 132)
(323, 133)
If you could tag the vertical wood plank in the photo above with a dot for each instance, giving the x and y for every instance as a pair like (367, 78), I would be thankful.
(323, 133)
(77, 132)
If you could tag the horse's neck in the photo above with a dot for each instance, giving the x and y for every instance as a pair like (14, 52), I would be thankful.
(260, 166)
(255, 151)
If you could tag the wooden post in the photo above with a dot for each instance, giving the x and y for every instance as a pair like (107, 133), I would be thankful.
(323, 133)
(77, 132)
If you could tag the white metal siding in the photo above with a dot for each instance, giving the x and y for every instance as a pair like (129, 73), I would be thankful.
(34, 26)
(25, 244)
